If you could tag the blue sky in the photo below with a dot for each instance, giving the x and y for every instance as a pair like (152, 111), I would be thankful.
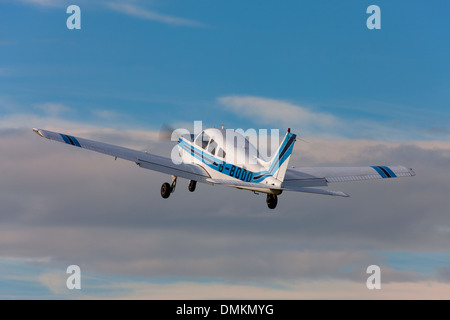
(359, 96)
(318, 55)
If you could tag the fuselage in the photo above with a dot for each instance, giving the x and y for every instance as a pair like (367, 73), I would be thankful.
(226, 154)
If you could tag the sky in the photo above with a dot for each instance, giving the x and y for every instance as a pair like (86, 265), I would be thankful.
(354, 96)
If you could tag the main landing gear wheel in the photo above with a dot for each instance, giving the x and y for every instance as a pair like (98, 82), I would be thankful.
(166, 190)
(192, 185)
(272, 201)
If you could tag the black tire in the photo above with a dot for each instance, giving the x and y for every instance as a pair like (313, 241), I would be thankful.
(272, 201)
(192, 185)
(166, 190)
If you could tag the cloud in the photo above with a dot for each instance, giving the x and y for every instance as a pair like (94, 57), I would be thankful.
(271, 111)
(107, 114)
(46, 3)
(53, 109)
(309, 122)
(331, 289)
(136, 11)
(70, 204)
(55, 281)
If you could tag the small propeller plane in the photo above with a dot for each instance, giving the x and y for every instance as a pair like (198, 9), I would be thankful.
(212, 157)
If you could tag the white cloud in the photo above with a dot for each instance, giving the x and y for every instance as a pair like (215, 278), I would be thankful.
(271, 111)
(305, 121)
(136, 11)
(53, 109)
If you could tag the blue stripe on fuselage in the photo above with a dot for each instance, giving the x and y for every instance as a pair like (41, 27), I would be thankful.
(214, 163)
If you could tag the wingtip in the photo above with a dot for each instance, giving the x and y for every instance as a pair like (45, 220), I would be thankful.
(38, 132)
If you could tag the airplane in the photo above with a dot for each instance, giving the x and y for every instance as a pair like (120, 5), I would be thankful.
(225, 157)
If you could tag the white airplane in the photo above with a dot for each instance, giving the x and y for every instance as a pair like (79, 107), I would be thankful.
(212, 157)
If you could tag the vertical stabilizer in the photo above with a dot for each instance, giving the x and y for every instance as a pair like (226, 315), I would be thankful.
(280, 160)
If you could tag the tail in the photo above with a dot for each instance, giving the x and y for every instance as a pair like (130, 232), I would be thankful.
(279, 163)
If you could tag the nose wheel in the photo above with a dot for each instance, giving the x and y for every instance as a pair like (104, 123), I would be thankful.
(272, 201)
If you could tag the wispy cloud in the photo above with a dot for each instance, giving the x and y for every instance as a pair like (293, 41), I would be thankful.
(53, 109)
(312, 122)
(107, 114)
(45, 3)
(272, 111)
(136, 11)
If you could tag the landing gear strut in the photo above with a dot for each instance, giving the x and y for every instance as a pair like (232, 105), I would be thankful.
(167, 189)
(272, 201)
(192, 185)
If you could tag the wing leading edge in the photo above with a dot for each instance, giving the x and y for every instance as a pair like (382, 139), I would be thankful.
(143, 159)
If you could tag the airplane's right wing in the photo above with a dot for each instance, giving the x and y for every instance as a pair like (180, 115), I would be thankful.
(143, 159)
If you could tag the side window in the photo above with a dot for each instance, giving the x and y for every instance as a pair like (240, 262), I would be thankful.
(198, 141)
(205, 141)
(202, 140)
(212, 146)
(221, 153)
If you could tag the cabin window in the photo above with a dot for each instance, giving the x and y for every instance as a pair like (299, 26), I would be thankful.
(212, 146)
(221, 153)
(202, 140)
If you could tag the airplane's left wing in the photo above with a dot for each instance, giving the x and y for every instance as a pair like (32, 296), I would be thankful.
(314, 176)
(143, 159)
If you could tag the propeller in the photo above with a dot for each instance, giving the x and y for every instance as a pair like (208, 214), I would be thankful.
(165, 132)
(168, 133)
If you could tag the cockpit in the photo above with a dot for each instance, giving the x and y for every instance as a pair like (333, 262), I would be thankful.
(212, 143)
(229, 145)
